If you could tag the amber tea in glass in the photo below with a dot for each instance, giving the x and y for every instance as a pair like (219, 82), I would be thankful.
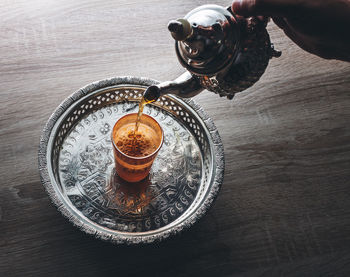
(134, 151)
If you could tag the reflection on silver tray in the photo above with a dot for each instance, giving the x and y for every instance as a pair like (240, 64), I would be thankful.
(77, 166)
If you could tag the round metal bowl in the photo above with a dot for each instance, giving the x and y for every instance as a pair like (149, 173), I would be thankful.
(77, 167)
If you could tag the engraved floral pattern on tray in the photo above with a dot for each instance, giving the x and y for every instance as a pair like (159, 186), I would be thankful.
(88, 178)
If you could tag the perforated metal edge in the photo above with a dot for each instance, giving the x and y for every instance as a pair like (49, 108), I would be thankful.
(219, 162)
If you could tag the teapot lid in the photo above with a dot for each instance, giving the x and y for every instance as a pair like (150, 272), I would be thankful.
(207, 39)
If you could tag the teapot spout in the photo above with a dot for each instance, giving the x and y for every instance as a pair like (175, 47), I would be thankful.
(185, 86)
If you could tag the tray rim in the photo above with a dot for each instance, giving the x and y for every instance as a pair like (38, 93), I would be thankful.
(132, 238)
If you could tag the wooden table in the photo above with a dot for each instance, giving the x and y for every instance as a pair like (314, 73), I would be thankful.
(284, 207)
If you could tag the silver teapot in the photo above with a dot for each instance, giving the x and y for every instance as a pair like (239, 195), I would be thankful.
(222, 52)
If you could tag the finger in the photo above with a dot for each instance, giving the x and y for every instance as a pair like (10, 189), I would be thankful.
(265, 7)
(299, 39)
(279, 21)
(311, 45)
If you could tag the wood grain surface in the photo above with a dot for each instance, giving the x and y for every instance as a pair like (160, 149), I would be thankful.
(284, 207)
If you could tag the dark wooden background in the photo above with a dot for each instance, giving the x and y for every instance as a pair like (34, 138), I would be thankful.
(284, 208)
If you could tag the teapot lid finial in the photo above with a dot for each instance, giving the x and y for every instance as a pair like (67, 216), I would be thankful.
(180, 29)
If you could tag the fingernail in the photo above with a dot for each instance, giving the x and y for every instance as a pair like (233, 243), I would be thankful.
(236, 5)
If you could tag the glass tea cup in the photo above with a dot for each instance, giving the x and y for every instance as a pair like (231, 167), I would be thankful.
(134, 154)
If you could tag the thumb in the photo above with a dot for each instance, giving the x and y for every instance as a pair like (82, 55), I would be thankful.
(264, 7)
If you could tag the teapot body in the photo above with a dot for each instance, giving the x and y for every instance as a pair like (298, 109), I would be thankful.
(227, 54)
(222, 52)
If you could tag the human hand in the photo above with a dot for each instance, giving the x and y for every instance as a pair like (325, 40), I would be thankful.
(321, 27)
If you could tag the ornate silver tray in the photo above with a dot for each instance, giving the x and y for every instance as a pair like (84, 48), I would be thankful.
(77, 167)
